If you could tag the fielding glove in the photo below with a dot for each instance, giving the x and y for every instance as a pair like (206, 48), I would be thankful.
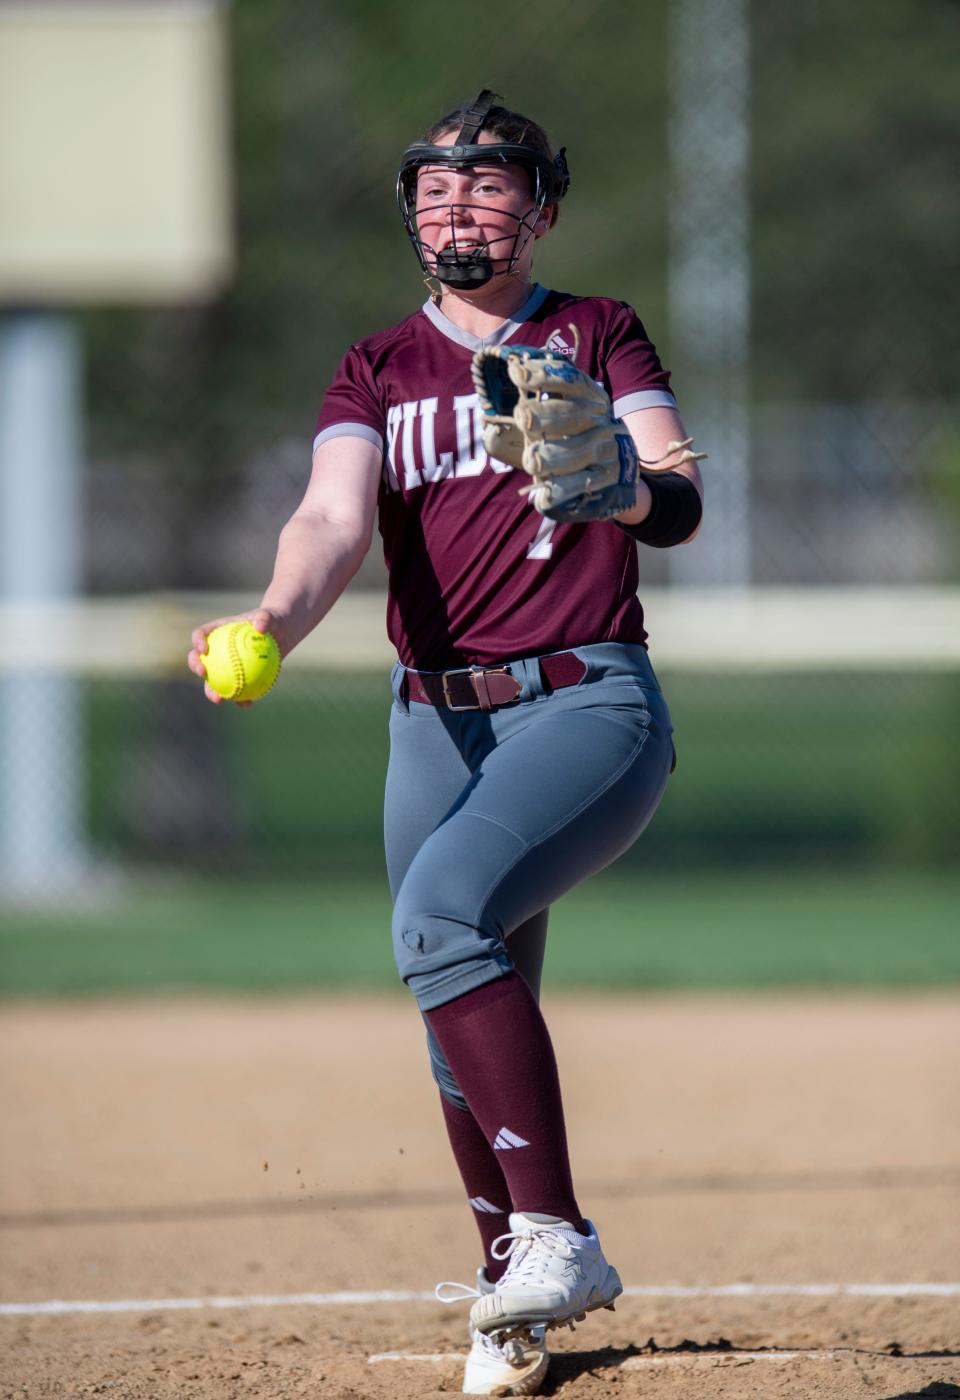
(545, 416)
(542, 414)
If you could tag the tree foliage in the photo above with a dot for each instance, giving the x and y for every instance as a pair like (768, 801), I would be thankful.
(854, 208)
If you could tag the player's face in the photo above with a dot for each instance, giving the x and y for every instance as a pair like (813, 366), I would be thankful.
(479, 206)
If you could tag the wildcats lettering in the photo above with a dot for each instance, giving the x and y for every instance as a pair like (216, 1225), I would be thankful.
(414, 431)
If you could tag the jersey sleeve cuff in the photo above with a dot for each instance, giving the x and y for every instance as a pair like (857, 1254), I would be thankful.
(360, 430)
(643, 398)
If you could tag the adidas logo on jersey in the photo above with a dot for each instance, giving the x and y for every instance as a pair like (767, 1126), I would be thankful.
(505, 1140)
(559, 346)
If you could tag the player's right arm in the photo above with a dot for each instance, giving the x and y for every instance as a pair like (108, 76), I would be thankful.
(323, 543)
(320, 549)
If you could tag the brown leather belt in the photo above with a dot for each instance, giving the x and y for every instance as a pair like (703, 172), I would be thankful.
(484, 688)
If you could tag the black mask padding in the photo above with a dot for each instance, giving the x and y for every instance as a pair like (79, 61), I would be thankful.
(463, 269)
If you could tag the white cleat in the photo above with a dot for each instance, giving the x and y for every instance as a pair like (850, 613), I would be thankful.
(555, 1276)
(515, 1366)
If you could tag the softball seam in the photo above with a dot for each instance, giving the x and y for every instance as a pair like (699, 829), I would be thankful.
(236, 661)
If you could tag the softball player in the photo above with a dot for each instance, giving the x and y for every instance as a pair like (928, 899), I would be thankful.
(530, 741)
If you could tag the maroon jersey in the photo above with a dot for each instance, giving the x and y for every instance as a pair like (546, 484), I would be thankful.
(477, 576)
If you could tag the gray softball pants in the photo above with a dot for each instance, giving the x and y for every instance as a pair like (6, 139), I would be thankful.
(491, 816)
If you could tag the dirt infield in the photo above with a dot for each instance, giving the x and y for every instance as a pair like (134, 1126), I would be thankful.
(186, 1149)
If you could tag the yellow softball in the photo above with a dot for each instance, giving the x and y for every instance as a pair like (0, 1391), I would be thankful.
(241, 663)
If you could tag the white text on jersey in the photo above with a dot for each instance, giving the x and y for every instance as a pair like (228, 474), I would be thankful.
(469, 459)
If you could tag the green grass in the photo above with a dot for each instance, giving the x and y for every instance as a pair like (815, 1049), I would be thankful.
(811, 770)
(271, 821)
(702, 931)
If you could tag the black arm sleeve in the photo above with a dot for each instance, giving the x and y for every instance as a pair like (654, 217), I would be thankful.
(675, 514)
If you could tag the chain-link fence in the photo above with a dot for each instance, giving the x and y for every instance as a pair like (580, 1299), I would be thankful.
(199, 421)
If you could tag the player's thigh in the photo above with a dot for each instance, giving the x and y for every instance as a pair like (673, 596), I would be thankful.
(426, 775)
(577, 787)
(605, 751)
(567, 789)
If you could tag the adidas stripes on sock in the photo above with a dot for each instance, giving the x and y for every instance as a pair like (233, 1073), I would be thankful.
(496, 1043)
(486, 1185)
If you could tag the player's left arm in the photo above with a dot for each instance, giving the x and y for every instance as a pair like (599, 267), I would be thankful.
(652, 430)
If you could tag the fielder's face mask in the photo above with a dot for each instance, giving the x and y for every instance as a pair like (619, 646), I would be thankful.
(467, 267)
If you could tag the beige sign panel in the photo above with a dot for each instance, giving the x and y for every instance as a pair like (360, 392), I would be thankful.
(115, 162)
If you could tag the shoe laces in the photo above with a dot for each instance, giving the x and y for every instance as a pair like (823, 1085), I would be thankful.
(464, 1291)
(529, 1251)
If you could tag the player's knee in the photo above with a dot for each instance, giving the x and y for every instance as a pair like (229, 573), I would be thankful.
(433, 894)
(432, 932)
(414, 943)
(439, 955)
(430, 950)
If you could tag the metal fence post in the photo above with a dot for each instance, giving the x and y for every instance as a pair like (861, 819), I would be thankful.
(709, 271)
(41, 782)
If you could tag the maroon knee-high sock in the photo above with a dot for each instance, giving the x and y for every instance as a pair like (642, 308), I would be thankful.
(486, 1185)
(496, 1043)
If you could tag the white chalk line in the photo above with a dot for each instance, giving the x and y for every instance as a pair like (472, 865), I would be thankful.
(631, 1363)
(59, 1307)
